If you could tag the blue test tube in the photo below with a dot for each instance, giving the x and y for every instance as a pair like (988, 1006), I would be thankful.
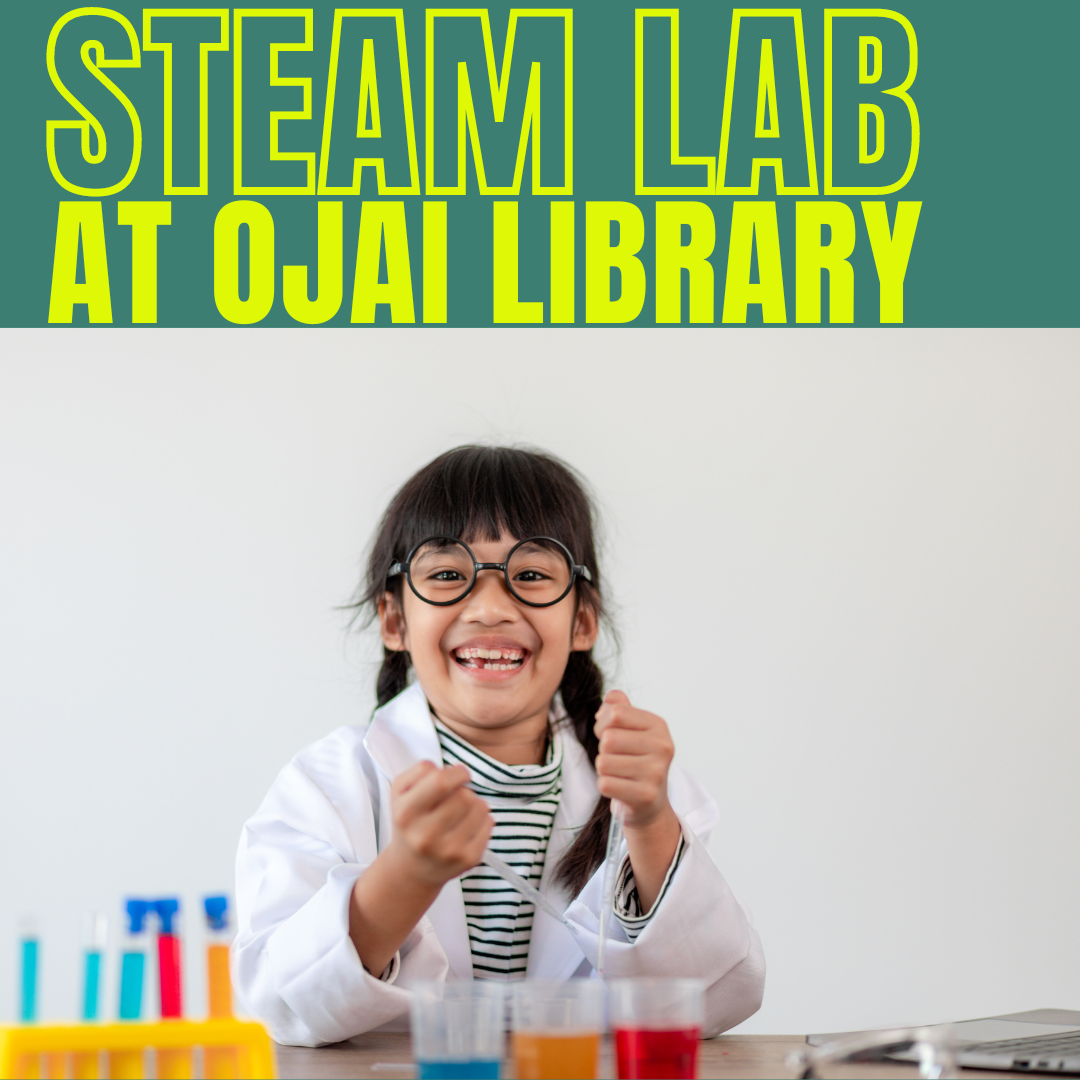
(95, 933)
(28, 938)
(133, 959)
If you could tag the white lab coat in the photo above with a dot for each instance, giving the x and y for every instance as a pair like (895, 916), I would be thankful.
(328, 816)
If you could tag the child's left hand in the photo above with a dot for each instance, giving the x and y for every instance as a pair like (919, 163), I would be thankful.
(635, 754)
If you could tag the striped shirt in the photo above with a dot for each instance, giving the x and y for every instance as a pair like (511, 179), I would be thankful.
(523, 800)
(626, 904)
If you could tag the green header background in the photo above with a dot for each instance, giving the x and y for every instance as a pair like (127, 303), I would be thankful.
(997, 172)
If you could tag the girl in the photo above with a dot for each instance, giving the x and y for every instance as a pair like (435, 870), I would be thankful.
(360, 874)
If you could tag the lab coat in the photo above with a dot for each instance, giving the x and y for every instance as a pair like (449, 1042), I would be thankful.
(328, 816)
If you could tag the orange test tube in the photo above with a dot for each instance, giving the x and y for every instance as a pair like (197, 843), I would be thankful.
(218, 1062)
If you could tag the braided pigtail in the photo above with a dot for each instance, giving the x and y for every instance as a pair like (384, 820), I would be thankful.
(582, 691)
(393, 675)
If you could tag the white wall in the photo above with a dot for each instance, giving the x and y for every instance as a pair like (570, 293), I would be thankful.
(868, 648)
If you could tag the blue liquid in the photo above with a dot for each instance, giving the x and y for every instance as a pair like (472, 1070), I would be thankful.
(131, 980)
(477, 1069)
(28, 1010)
(90, 985)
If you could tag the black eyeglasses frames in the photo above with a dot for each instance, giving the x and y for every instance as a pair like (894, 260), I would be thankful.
(539, 571)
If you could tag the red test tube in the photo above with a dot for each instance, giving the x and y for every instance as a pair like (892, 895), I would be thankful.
(173, 1063)
(168, 948)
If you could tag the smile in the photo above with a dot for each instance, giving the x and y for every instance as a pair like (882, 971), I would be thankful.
(490, 659)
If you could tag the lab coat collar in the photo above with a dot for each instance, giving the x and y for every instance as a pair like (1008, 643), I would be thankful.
(401, 733)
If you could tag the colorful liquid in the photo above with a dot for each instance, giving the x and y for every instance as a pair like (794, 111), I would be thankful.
(131, 985)
(220, 1062)
(174, 1063)
(126, 1065)
(169, 975)
(555, 1055)
(219, 986)
(28, 1066)
(476, 1069)
(85, 1065)
(28, 1009)
(90, 985)
(657, 1055)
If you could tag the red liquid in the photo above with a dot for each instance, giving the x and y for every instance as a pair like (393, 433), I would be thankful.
(168, 949)
(657, 1055)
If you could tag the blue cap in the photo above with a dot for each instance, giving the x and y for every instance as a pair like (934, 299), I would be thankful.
(137, 910)
(166, 909)
(216, 908)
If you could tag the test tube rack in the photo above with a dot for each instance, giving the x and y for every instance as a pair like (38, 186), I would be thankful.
(230, 1048)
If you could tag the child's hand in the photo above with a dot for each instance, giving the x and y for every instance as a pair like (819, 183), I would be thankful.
(440, 827)
(635, 754)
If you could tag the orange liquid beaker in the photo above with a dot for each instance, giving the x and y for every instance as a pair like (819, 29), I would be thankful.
(556, 1055)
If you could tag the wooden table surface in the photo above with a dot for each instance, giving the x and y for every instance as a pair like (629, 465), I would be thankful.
(747, 1056)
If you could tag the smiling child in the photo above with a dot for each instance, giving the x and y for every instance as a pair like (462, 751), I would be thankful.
(360, 874)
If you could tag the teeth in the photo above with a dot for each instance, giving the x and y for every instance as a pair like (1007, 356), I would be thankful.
(490, 654)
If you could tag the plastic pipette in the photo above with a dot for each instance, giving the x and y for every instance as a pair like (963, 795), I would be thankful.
(532, 894)
(612, 858)
(511, 877)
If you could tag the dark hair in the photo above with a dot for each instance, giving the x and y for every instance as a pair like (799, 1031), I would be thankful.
(477, 493)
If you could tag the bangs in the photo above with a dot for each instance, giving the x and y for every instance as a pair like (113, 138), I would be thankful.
(487, 492)
(479, 493)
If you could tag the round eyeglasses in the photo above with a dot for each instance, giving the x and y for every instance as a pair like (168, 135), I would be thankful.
(442, 570)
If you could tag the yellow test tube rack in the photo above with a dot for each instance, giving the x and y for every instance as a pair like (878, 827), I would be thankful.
(229, 1048)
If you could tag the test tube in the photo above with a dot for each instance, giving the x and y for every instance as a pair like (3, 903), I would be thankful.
(84, 1063)
(218, 937)
(28, 1065)
(172, 1063)
(168, 951)
(218, 1061)
(128, 1064)
(133, 959)
(28, 939)
(95, 932)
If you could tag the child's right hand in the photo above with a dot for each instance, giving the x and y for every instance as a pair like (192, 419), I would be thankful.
(440, 827)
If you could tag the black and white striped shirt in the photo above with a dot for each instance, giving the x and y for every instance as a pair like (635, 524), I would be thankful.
(523, 801)
(627, 906)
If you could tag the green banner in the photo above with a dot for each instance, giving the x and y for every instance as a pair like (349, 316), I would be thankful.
(595, 165)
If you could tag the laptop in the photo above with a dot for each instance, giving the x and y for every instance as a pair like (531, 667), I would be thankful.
(1041, 1040)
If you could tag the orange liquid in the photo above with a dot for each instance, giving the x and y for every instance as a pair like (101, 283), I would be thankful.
(126, 1064)
(175, 1063)
(219, 986)
(219, 1062)
(553, 1055)
(28, 1066)
(84, 1065)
